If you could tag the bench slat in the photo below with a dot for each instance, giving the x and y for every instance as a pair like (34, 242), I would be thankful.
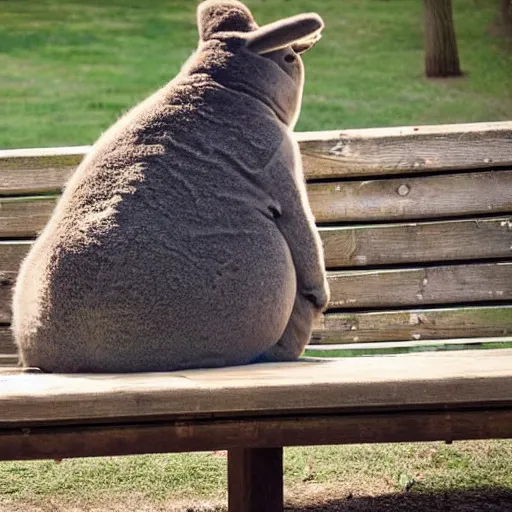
(400, 150)
(420, 324)
(12, 254)
(401, 199)
(472, 239)
(329, 154)
(428, 380)
(25, 217)
(413, 287)
(350, 349)
(381, 244)
(421, 286)
(375, 200)
(6, 284)
(38, 170)
(8, 360)
(212, 434)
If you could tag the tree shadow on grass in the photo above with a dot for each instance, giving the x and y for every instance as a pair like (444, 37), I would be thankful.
(477, 500)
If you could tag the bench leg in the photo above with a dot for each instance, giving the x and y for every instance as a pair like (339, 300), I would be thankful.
(255, 480)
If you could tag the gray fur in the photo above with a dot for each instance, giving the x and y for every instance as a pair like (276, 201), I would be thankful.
(295, 31)
(185, 238)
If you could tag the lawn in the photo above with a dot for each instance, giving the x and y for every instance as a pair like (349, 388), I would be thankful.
(71, 67)
(335, 474)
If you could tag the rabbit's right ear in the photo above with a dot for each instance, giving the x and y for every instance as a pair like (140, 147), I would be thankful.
(302, 28)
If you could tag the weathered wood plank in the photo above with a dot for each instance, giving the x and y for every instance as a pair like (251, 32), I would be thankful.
(7, 280)
(12, 254)
(25, 217)
(412, 198)
(7, 347)
(255, 479)
(357, 246)
(8, 360)
(428, 380)
(422, 345)
(416, 324)
(375, 200)
(405, 149)
(412, 287)
(328, 154)
(421, 286)
(32, 171)
(128, 439)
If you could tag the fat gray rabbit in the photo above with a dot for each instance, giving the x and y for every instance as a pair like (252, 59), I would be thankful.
(185, 238)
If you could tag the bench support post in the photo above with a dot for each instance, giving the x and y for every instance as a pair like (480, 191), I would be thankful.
(255, 480)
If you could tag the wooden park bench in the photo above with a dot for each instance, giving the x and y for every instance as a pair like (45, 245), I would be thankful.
(417, 228)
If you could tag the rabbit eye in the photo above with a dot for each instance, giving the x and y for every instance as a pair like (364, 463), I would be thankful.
(289, 57)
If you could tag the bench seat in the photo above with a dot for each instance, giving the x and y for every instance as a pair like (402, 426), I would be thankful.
(411, 397)
(416, 224)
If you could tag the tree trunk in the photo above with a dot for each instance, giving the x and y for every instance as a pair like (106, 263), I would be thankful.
(441, 55)
(506, 15)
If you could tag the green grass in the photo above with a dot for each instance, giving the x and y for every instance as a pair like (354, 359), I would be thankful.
(70, 68)
(348, 352)
(357, 469)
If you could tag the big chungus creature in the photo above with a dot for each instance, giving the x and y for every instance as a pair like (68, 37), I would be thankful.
(185, 238)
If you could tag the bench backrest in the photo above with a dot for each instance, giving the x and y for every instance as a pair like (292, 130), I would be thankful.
(416, 224)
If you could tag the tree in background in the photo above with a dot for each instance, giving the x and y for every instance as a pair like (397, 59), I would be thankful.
(441, 54)
(506, 15)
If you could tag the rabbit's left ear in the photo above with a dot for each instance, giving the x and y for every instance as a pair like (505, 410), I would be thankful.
(215, 16)
(301, 32)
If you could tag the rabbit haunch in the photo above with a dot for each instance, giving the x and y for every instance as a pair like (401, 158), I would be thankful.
(185, 238)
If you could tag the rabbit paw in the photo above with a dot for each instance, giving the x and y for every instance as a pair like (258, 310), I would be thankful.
(319, 296)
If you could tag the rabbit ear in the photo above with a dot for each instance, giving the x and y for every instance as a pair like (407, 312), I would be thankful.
(299, 29)
(223, 16)
(307, 43)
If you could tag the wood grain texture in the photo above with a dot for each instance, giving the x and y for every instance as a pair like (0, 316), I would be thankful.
(32, 171)
(404, 287)
(421, 346)
(415, 324)
(12, 254)
(449, 425)
(428, 380)
(327, 154)
(359, 246)
(255, 479)
(7, 347)
(448, 284)
(405, 149)
(412, 198)
(6, 286)
(374, 200)
(25, 217)
(420, 242)
(8, 361)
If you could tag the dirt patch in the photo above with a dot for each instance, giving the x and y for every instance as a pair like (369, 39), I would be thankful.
(494, 500)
